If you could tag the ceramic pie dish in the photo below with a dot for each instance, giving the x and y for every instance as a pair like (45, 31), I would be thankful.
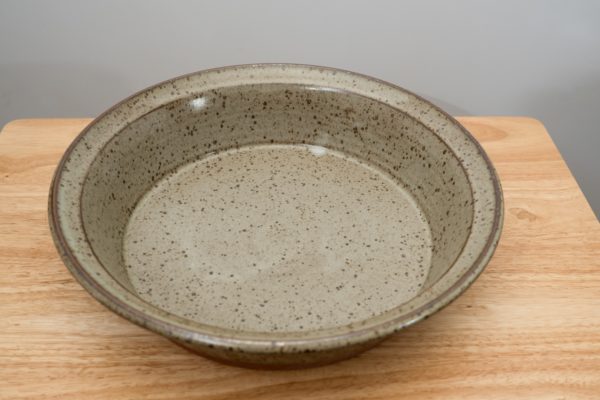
(275, 215)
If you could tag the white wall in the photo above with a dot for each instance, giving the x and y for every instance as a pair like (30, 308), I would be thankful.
(513, 57)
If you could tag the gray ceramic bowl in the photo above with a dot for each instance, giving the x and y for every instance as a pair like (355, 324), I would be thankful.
(275, 215)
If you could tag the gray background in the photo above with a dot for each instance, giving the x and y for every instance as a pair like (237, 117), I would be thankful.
(534, 58)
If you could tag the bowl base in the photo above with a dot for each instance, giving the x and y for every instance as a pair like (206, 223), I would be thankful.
(281, 361)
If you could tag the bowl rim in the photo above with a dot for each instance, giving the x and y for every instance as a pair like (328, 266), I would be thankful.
(361, 334)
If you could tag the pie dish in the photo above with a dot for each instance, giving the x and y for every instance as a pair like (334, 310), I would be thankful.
(275, 215)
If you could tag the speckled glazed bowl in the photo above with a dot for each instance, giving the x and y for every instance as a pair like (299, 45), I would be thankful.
(275, 215)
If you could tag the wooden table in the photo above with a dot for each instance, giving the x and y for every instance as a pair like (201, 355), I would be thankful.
(528, 328)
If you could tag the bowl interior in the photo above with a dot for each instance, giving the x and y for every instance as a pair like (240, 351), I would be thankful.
(276, 207)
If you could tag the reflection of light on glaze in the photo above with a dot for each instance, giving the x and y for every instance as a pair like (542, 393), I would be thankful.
(317, 150)
(198, 103)
(323, 89)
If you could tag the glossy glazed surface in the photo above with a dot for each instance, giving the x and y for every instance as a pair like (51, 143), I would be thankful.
(277, 238)
(202, 181)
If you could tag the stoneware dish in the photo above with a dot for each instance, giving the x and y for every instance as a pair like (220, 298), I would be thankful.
(275, 215)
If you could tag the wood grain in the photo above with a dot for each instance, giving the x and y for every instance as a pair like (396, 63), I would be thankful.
(528, 328)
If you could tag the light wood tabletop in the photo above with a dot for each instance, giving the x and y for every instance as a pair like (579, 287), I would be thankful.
(528, 328)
